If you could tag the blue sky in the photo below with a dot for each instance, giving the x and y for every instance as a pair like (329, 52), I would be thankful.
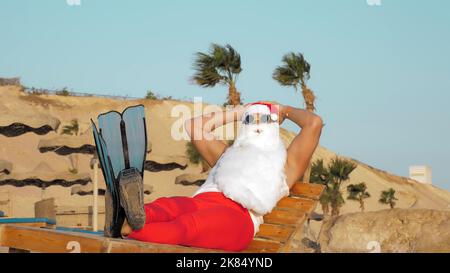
(381, 73)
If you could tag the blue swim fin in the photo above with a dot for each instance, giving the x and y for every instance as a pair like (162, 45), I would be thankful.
(121, 143)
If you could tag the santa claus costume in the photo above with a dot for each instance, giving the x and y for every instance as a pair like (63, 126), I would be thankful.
(226, 211)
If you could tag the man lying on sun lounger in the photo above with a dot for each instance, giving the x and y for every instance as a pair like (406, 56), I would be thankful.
(246, 181)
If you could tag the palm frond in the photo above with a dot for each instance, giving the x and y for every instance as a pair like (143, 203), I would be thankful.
(295, 70)
(388, 196)
(192, 154)
(220, 65)
(71, 129)
(357, 191)
(341, 168)
(319, 173)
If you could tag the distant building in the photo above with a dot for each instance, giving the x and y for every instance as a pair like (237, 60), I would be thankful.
(9, 81)
(421, 174)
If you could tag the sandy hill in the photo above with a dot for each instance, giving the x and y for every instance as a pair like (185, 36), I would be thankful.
(32, 147)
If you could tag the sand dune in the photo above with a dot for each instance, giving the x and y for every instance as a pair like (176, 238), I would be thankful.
(5, 167)
(24, 152)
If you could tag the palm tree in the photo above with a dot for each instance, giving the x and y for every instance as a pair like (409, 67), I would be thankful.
(336, 199)
(150, 95)
(320, 175)
(337, 171)
(194, 156)
(358, 192)
(388, 197)
(295, 72)
(325, 200)
(221, 65)
(71, 129)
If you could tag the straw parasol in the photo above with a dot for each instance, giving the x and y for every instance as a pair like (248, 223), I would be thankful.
(191, 179)
(67, 144)
(88, 189)
(44, 176)
(157, 163)
(17, 123)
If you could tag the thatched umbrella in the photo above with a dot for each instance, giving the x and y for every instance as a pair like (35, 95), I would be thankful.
(157, 163)
(191, 179)
(44, 176)
(67, 144)
(17, 123)
(88, 189)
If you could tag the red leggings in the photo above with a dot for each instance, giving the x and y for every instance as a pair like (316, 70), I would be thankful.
(208, 220)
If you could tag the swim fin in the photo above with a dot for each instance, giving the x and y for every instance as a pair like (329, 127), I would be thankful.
(121, 144)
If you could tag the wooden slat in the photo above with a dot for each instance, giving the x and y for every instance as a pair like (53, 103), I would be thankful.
(123, 246)
(262, 246)
(296, 203)
(307, 190)
(274, 232)
(52, 241)
(284, 217)
(294, 240)
(46, 240)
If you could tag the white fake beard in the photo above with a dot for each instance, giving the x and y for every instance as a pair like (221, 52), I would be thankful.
(251, 171)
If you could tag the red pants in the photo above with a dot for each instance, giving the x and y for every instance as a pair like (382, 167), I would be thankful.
(207, 220)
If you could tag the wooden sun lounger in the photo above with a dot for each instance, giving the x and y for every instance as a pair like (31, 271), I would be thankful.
(282, 231)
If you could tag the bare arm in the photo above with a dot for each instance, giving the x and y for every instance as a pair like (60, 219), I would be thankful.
(200, 131)
(302, 147)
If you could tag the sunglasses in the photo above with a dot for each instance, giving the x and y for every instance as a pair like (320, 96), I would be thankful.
(251, 119)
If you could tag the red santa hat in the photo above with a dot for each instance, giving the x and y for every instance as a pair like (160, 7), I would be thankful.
(261, 107)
